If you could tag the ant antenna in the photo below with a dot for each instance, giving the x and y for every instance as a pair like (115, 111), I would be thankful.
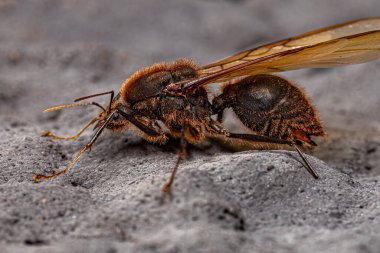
(61, 107)
(97, 95)
(50, 134)
(37, 178)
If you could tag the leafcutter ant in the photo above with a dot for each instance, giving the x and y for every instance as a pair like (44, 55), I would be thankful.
(275, 110)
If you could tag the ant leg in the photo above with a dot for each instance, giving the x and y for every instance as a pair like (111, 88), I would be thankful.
(139, 125)
(37, 178)
(261, 138)
(308, 166)
(257, 138)
(111, 99)
(49, 134)
(153, 133)
(181, 153)
(220, 116)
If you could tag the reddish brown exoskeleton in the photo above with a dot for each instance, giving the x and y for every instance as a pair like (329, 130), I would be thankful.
(275, 110)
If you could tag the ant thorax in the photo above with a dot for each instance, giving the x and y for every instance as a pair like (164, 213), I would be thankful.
(150, 82)
(143, 92)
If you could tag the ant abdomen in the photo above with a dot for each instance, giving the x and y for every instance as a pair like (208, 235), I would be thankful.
(270, 105)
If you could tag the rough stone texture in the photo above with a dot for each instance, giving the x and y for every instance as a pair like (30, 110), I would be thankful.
(253, 201)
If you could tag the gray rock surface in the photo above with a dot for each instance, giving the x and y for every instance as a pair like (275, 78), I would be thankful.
(253, 201)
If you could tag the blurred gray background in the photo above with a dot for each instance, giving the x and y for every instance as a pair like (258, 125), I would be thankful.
(52, 52)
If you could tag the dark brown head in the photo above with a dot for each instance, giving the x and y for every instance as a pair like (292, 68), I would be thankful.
(117, 122)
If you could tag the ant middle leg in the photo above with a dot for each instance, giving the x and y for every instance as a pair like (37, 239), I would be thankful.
(153, 134)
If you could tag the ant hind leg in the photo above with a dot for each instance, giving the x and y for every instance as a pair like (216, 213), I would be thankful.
(307, 164)
(261, 138)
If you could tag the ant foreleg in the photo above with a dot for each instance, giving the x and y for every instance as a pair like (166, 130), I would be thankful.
(37, 178)
(144, 128)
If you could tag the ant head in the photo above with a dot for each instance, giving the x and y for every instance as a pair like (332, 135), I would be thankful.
(115, 121)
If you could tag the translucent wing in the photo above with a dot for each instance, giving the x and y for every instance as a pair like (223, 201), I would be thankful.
(312, 38)
(344, 51)
(352, 49)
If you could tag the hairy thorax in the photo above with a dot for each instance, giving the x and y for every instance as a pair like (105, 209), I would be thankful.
(143, 92)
